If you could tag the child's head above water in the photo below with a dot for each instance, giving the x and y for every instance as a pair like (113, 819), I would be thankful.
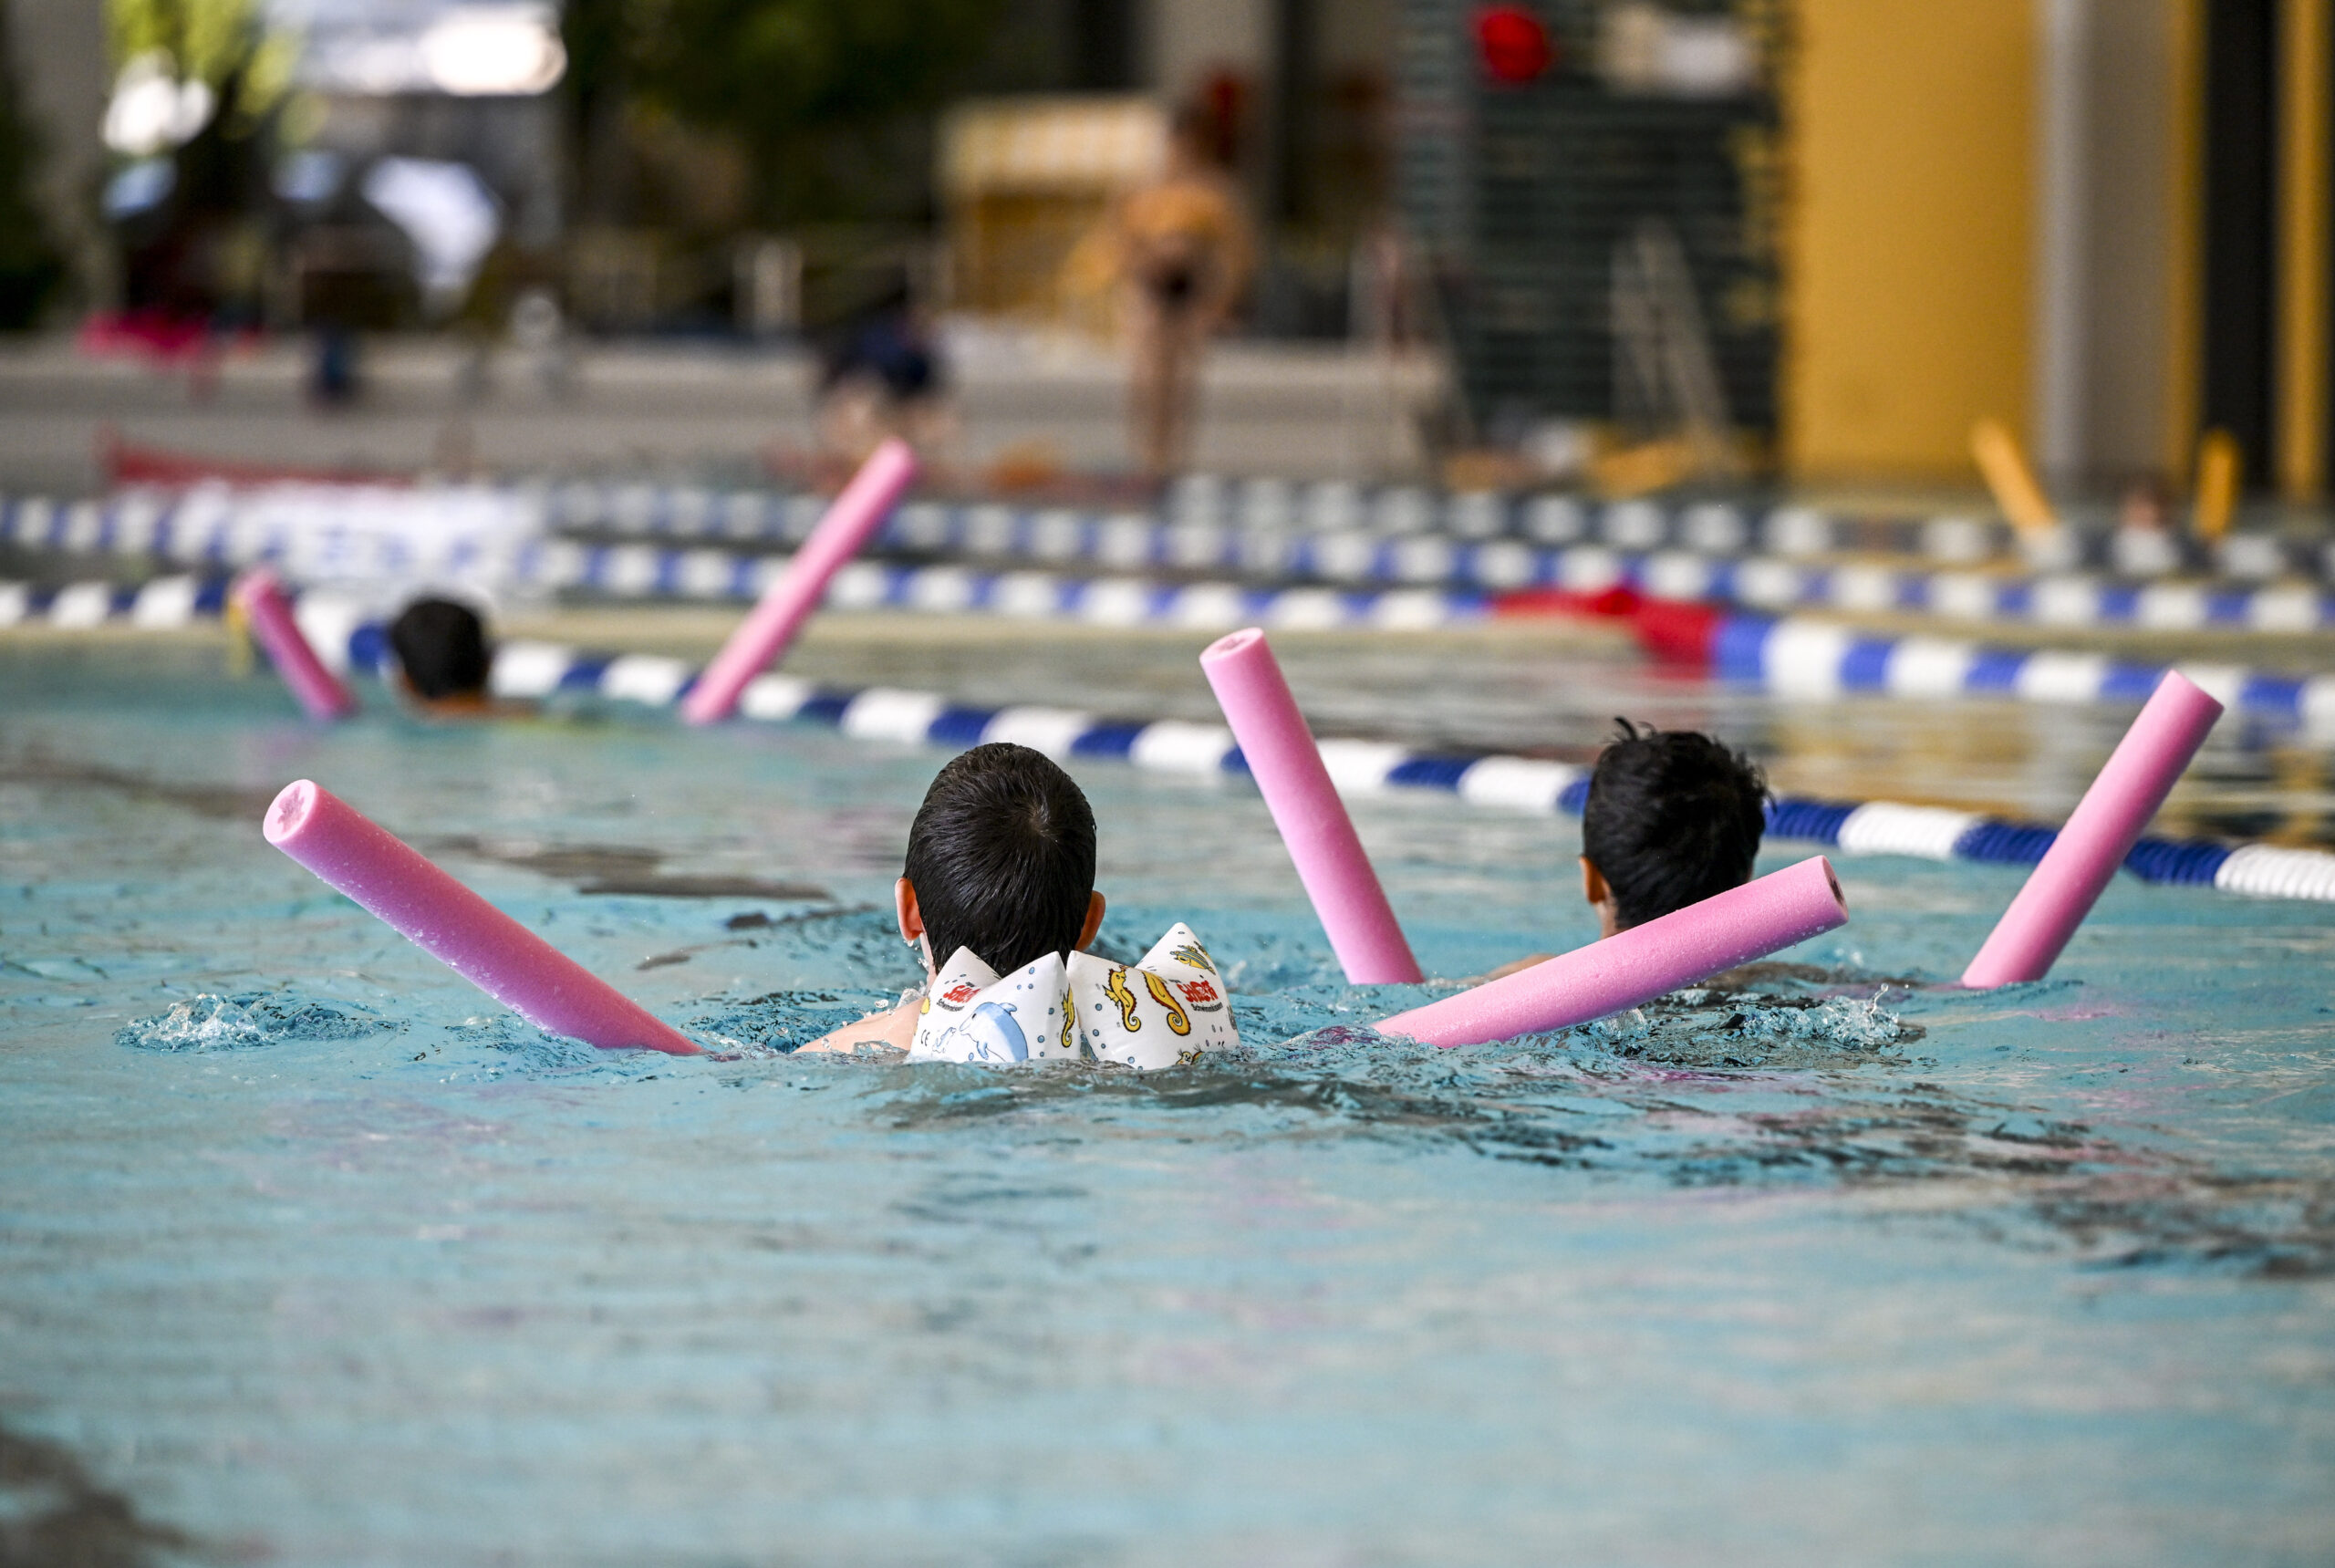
(1673, 817)
(441, 647)
(1002, 860)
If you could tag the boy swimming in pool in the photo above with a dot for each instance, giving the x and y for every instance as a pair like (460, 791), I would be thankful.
(1673, 818)
(442, 659)
(1001, 861)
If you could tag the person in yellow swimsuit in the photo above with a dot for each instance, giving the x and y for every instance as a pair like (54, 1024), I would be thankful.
(1184, 254)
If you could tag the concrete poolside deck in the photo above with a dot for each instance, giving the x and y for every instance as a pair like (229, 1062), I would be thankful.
(706, 409)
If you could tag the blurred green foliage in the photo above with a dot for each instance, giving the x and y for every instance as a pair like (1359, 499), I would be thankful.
(806, 86)
(207, 41)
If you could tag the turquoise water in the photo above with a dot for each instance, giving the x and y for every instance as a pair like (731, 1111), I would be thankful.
(308, 1255)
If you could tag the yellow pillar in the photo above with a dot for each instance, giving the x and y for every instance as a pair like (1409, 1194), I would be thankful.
(2185, 307)
(2302, 248)
(1910, 248)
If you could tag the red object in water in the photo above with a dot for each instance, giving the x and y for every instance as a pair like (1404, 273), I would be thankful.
(1671, 631)
(1514, 44)
(1616, 602)
(1674, 631)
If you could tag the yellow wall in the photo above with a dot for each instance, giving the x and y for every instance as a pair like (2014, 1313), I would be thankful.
(1911, 233)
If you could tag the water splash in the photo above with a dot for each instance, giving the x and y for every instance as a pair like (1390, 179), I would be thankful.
(250, 1020)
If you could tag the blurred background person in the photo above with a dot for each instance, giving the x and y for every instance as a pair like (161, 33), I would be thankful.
(1184, 254)
(882, 375)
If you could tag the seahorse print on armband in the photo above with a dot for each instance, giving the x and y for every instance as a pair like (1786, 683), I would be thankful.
(1178, 1021)
(1115, 988)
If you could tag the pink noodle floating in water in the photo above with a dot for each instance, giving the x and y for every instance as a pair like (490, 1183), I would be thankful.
(774, 622)
(453, 925)
(1635, 966)
(1287, 766)
(2077, 868)
(269, 612)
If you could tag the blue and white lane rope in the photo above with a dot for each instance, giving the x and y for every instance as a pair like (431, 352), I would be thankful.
(1791, 659)
(1707, 565)
(1109, 603)
(1199, 510)
(1814, 659)
(533, 670)
(215, 530)
(1365, 767)
(158, 605)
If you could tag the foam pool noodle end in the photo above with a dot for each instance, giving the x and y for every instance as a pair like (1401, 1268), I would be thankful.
(268, 611)
(2082, 859)
(1279, 748)
(392, 880)
(773, 624)
(1633, 967)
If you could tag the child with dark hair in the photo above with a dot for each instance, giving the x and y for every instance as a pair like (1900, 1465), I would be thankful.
(443, 656)
(998, 897)
(1673, 817)
(1000, 862)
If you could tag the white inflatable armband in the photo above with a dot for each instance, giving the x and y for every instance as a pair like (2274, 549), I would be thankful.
(1167, 1007)
(972, 1015)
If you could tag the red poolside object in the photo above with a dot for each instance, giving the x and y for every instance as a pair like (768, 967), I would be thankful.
(127, 462)
(1514, 44)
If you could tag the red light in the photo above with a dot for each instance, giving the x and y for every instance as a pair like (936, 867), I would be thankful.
(1514, 44)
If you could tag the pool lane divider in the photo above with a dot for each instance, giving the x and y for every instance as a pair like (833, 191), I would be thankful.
(1706, 553)
(2099, 836)
(764, 637)
(268, 612)
(392, 880)
(1361, 767)
(528, 671)
(1822, 660)
(1276, 746)
(1632, 967)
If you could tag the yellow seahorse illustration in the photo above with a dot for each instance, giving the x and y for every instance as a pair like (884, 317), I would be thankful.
(1068, 1023)
(1178, 1021)
(1115, 988)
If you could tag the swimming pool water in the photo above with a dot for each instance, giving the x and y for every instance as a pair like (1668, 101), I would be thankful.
(310, 1255)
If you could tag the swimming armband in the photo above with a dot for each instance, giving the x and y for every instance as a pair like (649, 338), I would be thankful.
(1166, 1008)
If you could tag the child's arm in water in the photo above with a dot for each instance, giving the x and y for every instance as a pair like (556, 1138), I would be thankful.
(893, 1030)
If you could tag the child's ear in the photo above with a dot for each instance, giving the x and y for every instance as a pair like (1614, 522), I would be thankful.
(1094, 919)
(911, 918)
(1600, 894)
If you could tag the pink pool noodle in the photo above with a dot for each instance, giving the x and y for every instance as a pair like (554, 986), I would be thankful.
(455, 926)
(269, 613)
(1635, 966)
(1287, 767)
(773, 624)
(2074, 873)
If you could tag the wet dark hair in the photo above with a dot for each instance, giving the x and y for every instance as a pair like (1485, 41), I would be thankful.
(1001, 855)
(1673, 817)
(441, 647)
